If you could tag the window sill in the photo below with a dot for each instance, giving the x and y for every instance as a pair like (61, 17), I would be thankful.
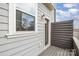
(21, 34)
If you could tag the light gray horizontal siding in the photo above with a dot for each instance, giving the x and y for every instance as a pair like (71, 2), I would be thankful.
(3, 27)
(3, 12)
(3, 19)
(4, 6)
(2, 33)
(21, 44)
(44, 10)
(19, 39)
(18, 47)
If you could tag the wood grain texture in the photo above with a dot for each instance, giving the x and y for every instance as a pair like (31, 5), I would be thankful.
(55, 51)
(62, 34)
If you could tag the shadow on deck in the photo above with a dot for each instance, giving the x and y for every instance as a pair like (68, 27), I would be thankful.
(56, 51)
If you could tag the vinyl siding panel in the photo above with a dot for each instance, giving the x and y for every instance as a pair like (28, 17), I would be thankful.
(22, 44)
(2, 33)
(3, 12)
(16, 48)
(3, 27)
(3, 20)
(4, 5)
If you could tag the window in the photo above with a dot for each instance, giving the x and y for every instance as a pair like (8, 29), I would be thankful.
(22, 18)
(24, 21)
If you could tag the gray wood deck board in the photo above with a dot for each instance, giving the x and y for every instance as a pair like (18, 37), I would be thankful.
(55, 51)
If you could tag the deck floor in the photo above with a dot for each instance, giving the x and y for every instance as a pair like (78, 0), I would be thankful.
(55, 51)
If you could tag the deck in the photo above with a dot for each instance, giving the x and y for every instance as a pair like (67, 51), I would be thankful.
(55, 51)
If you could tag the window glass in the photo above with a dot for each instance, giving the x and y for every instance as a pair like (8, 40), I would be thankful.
(24, 21)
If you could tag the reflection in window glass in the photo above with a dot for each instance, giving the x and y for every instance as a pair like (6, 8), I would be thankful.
(28, 22)
(24, 21)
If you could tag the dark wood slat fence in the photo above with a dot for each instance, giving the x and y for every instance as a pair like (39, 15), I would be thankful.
(62, 34)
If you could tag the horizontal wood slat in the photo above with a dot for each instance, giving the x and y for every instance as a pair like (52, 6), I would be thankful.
(62, 33)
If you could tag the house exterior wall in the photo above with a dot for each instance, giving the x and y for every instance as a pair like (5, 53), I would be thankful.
(23, 44)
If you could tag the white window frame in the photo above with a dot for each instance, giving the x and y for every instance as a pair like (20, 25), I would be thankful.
(12, 21)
